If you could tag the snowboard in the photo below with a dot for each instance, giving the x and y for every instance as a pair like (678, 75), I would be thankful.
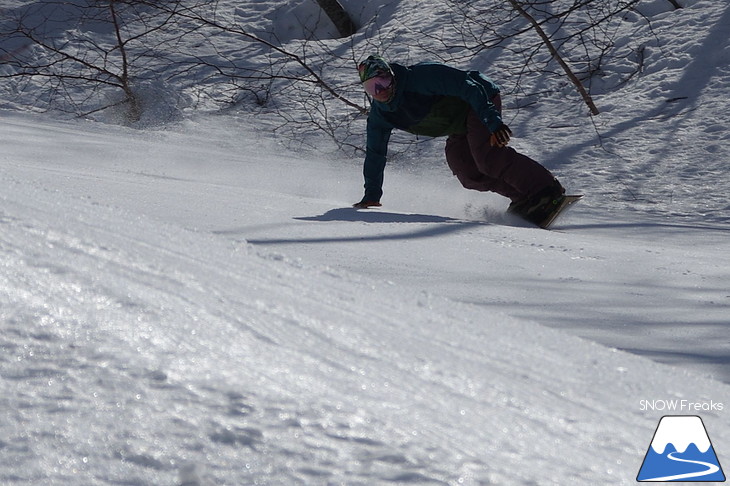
(564, 205)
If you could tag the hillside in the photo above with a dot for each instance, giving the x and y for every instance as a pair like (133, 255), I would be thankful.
(196, 303)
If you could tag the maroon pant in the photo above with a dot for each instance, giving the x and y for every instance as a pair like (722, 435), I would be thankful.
(481, 167)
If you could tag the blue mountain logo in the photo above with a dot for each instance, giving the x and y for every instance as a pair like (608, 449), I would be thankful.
(681, 451)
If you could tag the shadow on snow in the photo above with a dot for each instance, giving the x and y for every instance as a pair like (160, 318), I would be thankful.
(438, 226)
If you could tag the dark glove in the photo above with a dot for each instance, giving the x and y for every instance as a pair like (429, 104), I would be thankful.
(501, 137)
(366, 204)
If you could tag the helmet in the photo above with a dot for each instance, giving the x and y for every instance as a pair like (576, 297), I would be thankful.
(373, 66)
(376, 77)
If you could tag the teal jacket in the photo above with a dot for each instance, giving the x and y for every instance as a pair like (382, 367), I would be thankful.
(430, 99)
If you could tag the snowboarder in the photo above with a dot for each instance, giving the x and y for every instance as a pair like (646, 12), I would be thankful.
(437, 100)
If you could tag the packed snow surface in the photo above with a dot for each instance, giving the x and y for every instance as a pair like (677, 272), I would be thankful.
(200, 305)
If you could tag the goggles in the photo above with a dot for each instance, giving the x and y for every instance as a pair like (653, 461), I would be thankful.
(379, 87)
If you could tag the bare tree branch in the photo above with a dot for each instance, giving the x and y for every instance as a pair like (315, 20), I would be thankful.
(556, 55)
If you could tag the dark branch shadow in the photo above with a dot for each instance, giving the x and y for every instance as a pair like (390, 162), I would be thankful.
(697, 74)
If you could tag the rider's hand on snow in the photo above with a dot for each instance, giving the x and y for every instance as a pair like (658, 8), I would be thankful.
(366, 204)
(501, 137)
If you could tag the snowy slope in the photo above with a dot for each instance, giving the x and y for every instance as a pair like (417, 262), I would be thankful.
(140, 348)
(199, 305)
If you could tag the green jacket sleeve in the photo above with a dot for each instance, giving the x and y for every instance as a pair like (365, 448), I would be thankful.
(376, 150)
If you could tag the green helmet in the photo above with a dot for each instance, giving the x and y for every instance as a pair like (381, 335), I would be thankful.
(373, 66)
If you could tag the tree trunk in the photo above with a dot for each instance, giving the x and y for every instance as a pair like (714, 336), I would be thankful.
(345, 26)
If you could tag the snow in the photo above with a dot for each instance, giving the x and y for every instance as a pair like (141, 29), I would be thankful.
(199, 304)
